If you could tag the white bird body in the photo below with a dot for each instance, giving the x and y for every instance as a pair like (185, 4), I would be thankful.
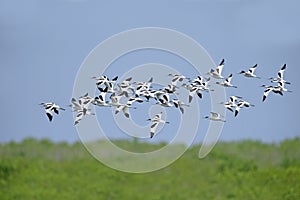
(250, 72)
(227, 82)
(215, 117)
(156, 120)
(176, 78)
(51, 107)
(217, 73)
(279, 77)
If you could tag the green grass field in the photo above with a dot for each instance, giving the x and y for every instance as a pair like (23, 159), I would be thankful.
(241, 170)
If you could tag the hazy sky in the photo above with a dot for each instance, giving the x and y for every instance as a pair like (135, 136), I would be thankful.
(43, 44)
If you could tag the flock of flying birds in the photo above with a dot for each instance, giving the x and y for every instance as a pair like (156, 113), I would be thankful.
(125, 94)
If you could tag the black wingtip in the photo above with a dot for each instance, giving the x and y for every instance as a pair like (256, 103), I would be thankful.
(116, 78)
(151, 135)
(50, 117)
(236, 113)
(190, 99)
(222, 62)
(199, 95)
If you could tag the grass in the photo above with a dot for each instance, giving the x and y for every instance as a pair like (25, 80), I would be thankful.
(41, 169)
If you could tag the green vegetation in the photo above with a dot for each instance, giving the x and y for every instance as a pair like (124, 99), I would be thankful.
(235, 170)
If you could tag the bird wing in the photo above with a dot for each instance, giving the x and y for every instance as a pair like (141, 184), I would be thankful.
(228, 79)
(281, 71)
(199, 94)
(55, 110)
(266, 93)
(215, 115)
(157, 116)
(220, 67)
(49, 115)
(126, 111)
(78, 118)
(252, 69)
(153, 129)
(181, 109)
(118, 109)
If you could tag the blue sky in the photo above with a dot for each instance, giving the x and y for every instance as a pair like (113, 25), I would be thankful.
(43, 44)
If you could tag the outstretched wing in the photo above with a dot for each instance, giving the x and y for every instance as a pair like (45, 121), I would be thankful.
(49, 115)
(252, 69)
(153, 129)
(281, 71)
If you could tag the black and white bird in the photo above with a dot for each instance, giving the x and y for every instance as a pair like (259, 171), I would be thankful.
(81, 107)
(156, 120)
(227, 82)
(232, 103)
(250, 72)
(51, 108)
(177, 78)
(143, 85)
(104, 80)
(217, 73)
(279, 77)
(215, 117)
(268, 89)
